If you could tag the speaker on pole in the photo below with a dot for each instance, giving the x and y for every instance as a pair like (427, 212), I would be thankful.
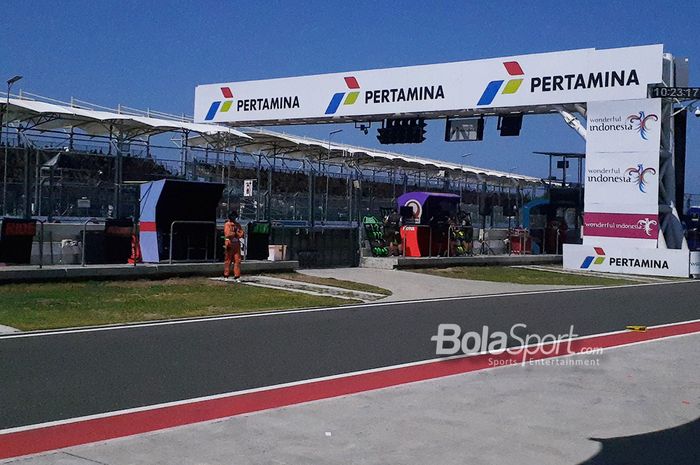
(485, 204)
(511, 207)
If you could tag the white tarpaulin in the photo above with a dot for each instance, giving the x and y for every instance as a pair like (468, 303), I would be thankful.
(439, 90)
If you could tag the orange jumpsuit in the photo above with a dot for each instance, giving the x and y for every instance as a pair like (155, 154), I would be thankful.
(233, 233)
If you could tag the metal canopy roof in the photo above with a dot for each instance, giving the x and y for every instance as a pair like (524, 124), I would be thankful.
(563, 154)
(40, 115)
(302, 147)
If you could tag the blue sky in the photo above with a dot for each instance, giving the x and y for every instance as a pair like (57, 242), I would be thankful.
(153, 53)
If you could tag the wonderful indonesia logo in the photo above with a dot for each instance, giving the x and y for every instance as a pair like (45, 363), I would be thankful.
(637, 175)
(640, 123)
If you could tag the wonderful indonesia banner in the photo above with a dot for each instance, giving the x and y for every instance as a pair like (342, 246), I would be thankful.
(622, 173)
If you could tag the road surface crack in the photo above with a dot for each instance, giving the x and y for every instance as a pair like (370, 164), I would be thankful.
(85, 458)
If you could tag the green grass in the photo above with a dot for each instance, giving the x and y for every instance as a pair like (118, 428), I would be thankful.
(294, 276)
(506, 274)
(60, 305)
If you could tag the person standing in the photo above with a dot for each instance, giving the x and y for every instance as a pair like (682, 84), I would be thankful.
(233, 233)
(392, 232)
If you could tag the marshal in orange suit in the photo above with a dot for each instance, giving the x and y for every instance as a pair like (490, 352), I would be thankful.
(233, 233)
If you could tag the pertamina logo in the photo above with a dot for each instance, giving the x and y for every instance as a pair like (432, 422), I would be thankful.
(591, 260)
(513, 68)
(249, 104)
(217, 106)
(351, 98)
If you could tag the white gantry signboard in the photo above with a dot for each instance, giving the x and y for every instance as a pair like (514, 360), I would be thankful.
(622, 173)
(438, 90)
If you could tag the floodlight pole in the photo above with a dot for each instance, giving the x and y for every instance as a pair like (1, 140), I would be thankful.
(7, 140)
(510, 206)
(27, 214)
(325, 206)
(461, 183)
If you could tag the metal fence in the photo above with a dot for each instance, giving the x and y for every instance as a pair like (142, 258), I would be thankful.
(46, 178)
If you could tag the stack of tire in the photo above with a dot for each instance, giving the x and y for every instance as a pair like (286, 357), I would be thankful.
(374, 234)
(463, 237)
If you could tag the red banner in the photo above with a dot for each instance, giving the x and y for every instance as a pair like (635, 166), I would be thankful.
(623, 225)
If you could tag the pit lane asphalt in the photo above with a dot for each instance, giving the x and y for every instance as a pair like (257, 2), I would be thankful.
(55, 376)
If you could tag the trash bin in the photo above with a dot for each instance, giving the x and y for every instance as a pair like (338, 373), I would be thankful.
(94, 247)
(277, 253)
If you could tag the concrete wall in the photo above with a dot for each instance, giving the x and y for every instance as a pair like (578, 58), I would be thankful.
(151, 271)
